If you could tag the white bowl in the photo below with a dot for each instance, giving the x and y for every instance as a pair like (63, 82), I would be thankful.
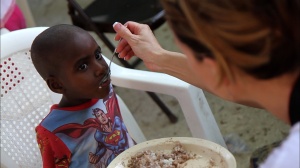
(208, 154)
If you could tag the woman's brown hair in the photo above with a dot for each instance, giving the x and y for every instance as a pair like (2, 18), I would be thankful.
(261, 37)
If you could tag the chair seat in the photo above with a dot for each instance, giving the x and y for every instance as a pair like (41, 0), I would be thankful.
(105, 12)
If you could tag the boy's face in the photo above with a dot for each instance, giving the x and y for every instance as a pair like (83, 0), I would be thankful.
(81, 69)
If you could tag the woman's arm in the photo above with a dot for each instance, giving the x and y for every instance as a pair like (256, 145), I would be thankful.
(138, 40)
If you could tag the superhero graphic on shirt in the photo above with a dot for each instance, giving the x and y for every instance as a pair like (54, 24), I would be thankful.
(110, 136)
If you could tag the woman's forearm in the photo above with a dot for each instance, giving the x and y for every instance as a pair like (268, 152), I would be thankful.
(175, 64)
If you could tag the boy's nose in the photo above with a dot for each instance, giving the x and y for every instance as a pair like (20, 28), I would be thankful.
(100, 69)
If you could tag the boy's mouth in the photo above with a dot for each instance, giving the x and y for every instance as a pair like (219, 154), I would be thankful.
(105, 79)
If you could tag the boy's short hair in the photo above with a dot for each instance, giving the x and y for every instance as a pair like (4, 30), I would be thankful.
(47, 46)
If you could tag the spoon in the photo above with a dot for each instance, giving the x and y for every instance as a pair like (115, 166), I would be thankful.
(108, 72)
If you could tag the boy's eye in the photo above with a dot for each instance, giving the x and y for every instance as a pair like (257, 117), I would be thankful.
(82, 67)
(98, 55)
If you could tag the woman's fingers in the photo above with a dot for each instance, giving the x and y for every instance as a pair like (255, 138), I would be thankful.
(124, 49)
(129, 55)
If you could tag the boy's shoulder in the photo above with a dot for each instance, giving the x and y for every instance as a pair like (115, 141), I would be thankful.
(58, 116)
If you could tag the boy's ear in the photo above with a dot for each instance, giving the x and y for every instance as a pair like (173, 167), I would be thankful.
(55, 85)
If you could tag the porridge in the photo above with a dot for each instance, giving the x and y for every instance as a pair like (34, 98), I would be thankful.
(177, 158)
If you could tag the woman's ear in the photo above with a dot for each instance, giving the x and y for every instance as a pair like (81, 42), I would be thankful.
(214, 69)
(55, 85)
(211, 65)
(219, 82)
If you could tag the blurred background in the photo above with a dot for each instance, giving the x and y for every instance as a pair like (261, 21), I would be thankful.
(245, 129)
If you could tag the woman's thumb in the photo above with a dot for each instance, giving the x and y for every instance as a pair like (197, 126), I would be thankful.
(122, 31)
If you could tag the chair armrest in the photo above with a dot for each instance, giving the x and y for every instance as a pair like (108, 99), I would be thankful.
(194, 105)
(130, 122)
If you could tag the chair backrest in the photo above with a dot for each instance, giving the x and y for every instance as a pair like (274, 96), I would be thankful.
(26, 99)
(24, 102)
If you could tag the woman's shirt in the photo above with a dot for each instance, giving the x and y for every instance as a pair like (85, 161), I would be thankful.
(287, 155)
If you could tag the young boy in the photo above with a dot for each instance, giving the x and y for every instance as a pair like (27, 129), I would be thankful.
(85, 129)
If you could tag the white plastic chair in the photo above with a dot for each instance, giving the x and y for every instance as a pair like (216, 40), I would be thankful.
(26, 99)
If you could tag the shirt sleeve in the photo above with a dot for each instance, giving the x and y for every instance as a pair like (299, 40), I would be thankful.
(287, 155)
(54, 152)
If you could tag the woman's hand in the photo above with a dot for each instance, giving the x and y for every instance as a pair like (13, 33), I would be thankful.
(138, 40)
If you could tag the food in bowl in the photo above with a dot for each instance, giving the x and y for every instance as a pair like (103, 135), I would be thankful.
(202, 153)
(161, 159)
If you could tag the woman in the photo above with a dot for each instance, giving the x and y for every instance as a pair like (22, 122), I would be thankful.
(246, 51)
